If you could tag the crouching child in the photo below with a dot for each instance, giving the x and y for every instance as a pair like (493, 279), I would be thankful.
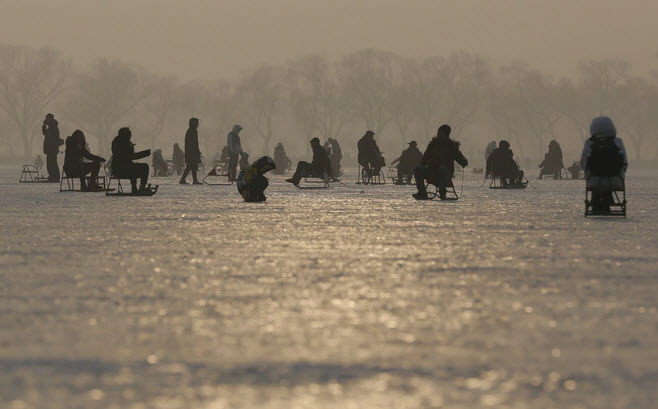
(251, 181)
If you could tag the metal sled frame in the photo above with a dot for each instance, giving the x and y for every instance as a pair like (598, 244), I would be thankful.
(451, 193)
(496, 183)
(393, 175)
(151, 190)
(223, 172)
(70, 183)
(315, 183)
(617, 208)
(30, 174)
(566, 175)
(362, 177)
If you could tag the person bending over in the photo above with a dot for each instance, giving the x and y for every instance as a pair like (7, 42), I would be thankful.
(318, 168)
(75, 166)
(438, 163)
(123, 155)
(251, 181)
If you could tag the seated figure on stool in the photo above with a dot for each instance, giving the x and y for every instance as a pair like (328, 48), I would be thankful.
(123, 154)
(74, 166)
(318, 168)
(501, 164)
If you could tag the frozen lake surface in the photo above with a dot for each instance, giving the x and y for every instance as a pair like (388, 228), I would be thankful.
(354, 297)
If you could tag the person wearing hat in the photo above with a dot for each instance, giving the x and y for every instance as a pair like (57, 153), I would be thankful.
(407, 162)
(319, 168)
(370, 157)
(501, 164)
(438, 163)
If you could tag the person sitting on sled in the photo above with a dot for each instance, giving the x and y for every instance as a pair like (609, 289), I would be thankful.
(123, 154)
(160, 166)
(407, 163)
(74, 166)
(251, 181)
(501, 164)
(320, 167)
(438, 163)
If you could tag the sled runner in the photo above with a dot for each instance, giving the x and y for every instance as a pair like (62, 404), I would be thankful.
(71, 185)
(148, 191)
(616, 186)
(220, 170)
(313, 183)
(363, 178)
(30, 174)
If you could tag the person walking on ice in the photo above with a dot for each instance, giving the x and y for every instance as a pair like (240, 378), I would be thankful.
(234, 149)
(192, 152)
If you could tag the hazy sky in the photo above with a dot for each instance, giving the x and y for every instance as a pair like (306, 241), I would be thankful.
(211, 39)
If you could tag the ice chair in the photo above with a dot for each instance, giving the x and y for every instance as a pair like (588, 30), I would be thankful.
(70, 182)
(615, 185)
(30, 174)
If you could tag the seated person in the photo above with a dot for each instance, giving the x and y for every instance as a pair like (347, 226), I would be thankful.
(178, 159)
(123, 154)
(251, 183)
(335, 157)
(318, 168)
(604, 161)
(160, 167)
(370, 157)
(552, 163)
(407, 163)
(75, 166)
(438, 163)
(501, 164)
(575, 170)
(282, 160)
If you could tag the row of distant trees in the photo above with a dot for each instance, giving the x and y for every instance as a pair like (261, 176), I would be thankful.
(399, 98)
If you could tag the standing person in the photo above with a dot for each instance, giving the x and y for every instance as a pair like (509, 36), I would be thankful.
(281, 159)
(123, 154)
(487, 152)
(603, 159)
(407, 163)
(501, 164)
(370, 157)
(51, 144)
(318, 168)
(335, 157)
(75, 166)
(192, 152)
(234, 149)
(178, 159)
(438, 163)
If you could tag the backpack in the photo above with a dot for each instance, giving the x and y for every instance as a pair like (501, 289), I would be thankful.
(606, 159)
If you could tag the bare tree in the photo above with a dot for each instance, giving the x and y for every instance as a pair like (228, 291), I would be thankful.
(159, 104)
(29, 81)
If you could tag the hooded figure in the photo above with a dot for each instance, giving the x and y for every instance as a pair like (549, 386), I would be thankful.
(282, 160)
(605, 163)
(370, 157)
(501, 164)
(335, 157)
(234, 149)
(75, 166)
(552, 163)
(160, 166)
(407, 162)
(490, 148)
(319, 168)
(178, 159)
(123, 155)
(192, 152)
(252, 183)
(438, 163)
(51, 144)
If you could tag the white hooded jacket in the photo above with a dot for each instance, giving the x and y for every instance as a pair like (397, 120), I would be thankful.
(602, 127)
(233, 141)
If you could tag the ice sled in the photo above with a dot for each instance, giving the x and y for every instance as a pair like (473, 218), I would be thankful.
(30, 174)
(497, 183)
(71, 183)
(314, 183)
(219, 170)
(149, 191)
(363, 178)
(614, 185)
(433, 181)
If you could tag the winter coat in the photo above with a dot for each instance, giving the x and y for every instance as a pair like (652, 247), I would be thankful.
(321, 160)
(587, 152)
(233, 141)
(409, 159)
(368, 150)
(501, 163)
(73, 155)
(443, 153)
(192, 152)
(51, 140)
(123, 154)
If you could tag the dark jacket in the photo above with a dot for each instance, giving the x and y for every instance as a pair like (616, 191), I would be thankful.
(368, 150)
(51, 140)
(192, 152)
(73, 155)
(321, 159)
(123, 154)
(443, 153)
(409, 159)
(501, 162)
(178, 157)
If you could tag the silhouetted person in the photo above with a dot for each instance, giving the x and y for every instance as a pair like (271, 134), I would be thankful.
(501, 164)
(234, 149)
(552, 163)
(605, 162)
(38, 162)
(252, 183)
(192, 152)
(283, 163)
(75, 166)
(123, 154)
(335, 157)
(160, 167)
(438, 163)
(407, 163)
(51, 144)
(575, 170)
(178, 159)
(244, 160)
(318, 168)
(487, 152)
(370, 157)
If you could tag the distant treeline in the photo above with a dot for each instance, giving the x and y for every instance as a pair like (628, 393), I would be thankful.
(399, 98)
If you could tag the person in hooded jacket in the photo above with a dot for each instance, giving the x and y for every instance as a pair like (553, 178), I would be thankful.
(319, 168)
(251, 181)
(501, 164)
(192, 152)
(407, 163)
(51, 144)
(438, 163)
(370, 157)
(75, 166)
(605, 162)
(178, 159)
(552, 163)
(281, 159)
(123, 155)
(234, 149)
(160, 167)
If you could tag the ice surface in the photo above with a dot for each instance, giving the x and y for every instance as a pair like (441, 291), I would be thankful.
(354, 297)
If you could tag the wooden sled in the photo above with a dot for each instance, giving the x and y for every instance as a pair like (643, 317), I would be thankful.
(30, 174)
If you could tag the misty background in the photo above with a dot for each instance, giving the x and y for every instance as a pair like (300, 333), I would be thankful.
(526, 71)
